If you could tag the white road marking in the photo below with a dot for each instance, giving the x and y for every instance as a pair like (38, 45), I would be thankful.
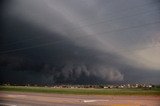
(5, 104)
(87, 101)
(15, 96)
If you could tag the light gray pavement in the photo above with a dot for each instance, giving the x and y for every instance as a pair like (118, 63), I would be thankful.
(39, 99)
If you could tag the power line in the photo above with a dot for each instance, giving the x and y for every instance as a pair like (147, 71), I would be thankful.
(31, 47)
(126, 9)
(107, 21)
(50, 43)
(92, 24)
(81, 27)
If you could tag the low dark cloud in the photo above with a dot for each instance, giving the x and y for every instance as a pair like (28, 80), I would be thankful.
(47, 43)
(60, 62)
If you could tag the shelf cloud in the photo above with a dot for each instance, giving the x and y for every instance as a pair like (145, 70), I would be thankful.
(80, 41)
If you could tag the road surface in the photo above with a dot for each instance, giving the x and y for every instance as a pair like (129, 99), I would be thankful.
(39, 99)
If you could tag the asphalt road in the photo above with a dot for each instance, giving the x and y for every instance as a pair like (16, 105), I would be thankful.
(38, 99)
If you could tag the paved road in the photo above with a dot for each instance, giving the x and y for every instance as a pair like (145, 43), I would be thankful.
(38, 99)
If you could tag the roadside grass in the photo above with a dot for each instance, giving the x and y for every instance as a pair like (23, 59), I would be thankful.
(82, 91)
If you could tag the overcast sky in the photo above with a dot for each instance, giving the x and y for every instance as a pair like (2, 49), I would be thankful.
(80, 41)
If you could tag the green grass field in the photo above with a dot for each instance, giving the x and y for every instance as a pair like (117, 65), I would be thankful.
(81, 91)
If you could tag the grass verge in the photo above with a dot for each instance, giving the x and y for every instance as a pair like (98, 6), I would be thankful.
(136, 91)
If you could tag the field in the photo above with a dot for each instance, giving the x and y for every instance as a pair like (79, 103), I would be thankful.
(82, 91)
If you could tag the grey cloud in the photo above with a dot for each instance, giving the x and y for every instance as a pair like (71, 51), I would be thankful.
(69, 41)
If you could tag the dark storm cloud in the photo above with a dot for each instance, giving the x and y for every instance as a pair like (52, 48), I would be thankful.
(86, 41)
(61, 62)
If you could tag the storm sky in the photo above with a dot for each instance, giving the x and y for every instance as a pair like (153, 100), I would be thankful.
(79, 41)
